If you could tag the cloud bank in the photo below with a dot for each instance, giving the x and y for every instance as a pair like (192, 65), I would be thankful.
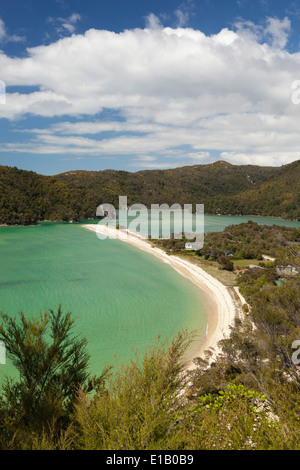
(180, 96)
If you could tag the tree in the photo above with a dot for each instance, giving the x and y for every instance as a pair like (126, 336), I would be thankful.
(52, 364)
(225, 263)
(138, 409)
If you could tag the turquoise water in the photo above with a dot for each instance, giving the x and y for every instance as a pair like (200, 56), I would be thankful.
(120, 296)
(217, 223)
(164, 224)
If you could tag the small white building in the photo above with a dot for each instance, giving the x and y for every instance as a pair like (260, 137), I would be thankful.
(189, 246)
(268, 258)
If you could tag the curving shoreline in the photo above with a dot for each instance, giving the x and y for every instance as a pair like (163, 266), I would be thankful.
(222, 308)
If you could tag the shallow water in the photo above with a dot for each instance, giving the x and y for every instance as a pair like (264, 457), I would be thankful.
(120, 296)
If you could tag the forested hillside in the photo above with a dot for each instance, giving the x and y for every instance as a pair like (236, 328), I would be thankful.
(277, 196)
(26, 197)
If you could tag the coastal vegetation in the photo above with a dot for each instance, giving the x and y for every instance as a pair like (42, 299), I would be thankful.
(27, 197)
(248, 397)
(242, 245)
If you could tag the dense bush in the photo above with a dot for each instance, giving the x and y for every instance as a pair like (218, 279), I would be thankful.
(26, 197)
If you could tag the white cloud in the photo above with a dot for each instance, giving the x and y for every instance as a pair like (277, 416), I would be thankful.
(2, 30)
(69, 23)
(62, 3)
(182, 17)
(274, 31)
(5, 37)
(153, 22)
(66, 25)
(250, 29)
(182, 96)
(279, 31)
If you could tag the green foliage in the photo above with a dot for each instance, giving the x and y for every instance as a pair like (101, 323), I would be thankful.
(138, 408)
(251, 241)
(225, 263)
(251, 281)
(237, 418)
(52, 364)
(173, 245)
(241, 402)
(231, 393)
(26, 197)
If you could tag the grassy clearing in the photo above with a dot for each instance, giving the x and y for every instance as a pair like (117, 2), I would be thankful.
(227, 278)
(243, 263)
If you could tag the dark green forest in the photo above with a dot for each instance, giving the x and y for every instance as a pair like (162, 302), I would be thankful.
(27, 197)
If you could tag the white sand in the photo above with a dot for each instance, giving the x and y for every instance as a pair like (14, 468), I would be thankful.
(223, 307)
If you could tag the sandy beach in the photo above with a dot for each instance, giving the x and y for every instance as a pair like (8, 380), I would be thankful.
(222, 308)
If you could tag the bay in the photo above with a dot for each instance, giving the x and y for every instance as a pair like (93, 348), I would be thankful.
(120, 296)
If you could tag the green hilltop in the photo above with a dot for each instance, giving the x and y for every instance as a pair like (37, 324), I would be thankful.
(27, 197)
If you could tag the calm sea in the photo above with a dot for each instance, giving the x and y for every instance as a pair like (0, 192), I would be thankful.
(120, 296)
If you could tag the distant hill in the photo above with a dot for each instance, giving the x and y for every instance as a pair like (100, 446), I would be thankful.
(27, 197)
(278, 196)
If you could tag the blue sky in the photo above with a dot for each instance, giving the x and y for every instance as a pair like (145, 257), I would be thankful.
(142, 85)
